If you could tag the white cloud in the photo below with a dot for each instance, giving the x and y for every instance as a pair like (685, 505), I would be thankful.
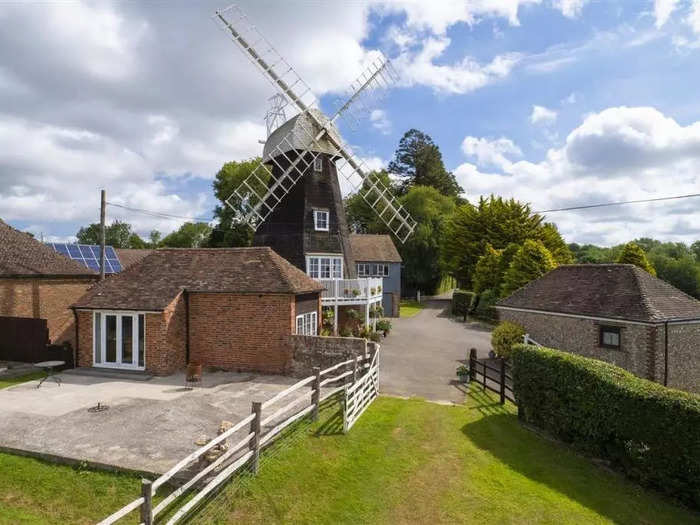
(570, 8)
(693, 19)
(380, 121)
(491, 152)
(621, 153)
(542, 115)
(663, 10)
(457, 78)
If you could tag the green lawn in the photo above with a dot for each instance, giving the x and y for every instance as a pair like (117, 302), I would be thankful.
(405, 461)
(410, 308)
(4, 383)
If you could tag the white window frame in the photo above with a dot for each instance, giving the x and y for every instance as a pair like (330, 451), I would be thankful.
(315, 266)
(318, 223)
(307, 323)
(101, 347)
(318, 163)
(372, 270)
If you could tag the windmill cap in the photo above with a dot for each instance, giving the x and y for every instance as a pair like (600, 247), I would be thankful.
(295, 135)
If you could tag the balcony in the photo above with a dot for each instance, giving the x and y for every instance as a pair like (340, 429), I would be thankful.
(351, 291)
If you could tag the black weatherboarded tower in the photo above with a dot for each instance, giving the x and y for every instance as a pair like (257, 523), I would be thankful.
(311, 221)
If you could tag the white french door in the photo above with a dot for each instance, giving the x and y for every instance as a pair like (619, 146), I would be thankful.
(119, 340)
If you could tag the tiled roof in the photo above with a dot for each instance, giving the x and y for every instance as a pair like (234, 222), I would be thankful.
(153, 282)
(373, 248)
(23, 256)
(129, 256)
(618, 291)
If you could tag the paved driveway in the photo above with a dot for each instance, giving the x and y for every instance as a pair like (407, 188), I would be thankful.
(420, 356)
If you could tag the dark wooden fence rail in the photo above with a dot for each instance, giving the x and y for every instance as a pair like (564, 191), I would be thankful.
(499, 380)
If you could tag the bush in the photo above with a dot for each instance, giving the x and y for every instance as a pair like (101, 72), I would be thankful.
(646, 430)
(505, 336)
(461, 301)
(383, 325)
(484, 308)
(375, 336)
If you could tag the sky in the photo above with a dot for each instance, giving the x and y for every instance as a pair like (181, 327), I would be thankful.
(557, 103)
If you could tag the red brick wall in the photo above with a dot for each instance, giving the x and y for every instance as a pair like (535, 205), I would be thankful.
(84, 348)
(48, 299)
(242, 332)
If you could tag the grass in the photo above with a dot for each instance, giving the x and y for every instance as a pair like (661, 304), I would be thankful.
(410, 308)
(405, 461)
(5, 383)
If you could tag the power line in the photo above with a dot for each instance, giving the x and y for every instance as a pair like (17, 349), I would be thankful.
(159, 214)
(619, 203)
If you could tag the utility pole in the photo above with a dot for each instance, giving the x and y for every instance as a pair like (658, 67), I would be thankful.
(103, 206)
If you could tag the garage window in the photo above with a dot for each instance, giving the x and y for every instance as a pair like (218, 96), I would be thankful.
(610, 337)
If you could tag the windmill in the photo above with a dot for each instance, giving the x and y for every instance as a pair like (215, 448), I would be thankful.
(308, 146)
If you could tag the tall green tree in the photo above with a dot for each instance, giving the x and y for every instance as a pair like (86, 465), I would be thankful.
(361, 217)
(633, 254)
(486, 273)
(189, 235)
(228, 232)
(683, 273)
(532, 261)
(118, 234)
(695, 248)
(418, 162)
(494, 221)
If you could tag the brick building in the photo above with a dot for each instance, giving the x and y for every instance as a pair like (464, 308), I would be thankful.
(230, 308)
(38, 283)
(616, 313)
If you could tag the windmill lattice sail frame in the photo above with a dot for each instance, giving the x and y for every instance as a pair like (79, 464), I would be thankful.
(255, 199)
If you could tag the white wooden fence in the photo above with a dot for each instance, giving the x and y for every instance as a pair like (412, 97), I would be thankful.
(361, 393)
(361, 373)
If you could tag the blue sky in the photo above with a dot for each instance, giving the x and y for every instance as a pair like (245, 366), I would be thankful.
(554, 102)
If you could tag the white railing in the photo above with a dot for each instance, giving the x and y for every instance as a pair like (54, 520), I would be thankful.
(361, 393)
(352, 291)
(333, 380)
(530, 341)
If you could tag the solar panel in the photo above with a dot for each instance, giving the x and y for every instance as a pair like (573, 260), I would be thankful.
(89, 255)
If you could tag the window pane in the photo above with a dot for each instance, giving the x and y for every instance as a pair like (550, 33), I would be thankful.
(386, 270)
(142, 328)
(337, 268)
(127, 339)
(300, 324)
(110, 338)
(98, 337)
(325, 268)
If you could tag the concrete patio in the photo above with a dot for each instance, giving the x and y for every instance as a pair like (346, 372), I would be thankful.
(149, 425)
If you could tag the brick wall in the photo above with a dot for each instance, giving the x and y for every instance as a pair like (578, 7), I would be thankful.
(581, 336)
(48, 299)
(310, 351)
(242, 332)
(683, 356)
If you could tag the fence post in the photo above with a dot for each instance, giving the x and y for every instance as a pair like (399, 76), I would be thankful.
(345, 411)
(256, 428)
(354, 369)
(316, 394)
(483, 370)
(472, 364)
(503, 381)
(147, 505)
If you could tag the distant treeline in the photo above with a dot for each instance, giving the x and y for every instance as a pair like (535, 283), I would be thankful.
(675, 262)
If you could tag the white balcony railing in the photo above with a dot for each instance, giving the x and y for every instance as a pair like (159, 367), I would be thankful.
(351, 291)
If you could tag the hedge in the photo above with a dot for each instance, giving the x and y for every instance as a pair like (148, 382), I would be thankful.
(650, 432)
(461, 302)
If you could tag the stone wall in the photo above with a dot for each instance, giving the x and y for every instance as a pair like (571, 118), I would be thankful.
(581, 336)
(310, 351)
(48, 299)
(683, 356)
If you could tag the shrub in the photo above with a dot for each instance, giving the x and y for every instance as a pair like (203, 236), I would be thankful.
(345, 332)
(646, 430)
(531, 261)
(486, 273)
(383, 325)
(484, 307)
(633, 254)
(461, 301)
(505, 336)
(375, 336)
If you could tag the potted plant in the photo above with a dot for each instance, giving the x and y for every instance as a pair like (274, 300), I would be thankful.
(384, 325)
(463, 373)
(355, 292)
(373, 291)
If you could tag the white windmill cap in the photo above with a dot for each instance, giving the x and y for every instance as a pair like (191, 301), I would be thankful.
(298, 133)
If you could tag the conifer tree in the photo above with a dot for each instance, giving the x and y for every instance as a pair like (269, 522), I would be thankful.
(531, 261)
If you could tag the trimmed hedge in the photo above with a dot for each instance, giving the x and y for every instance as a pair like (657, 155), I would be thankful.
(505, 336)
(650, 432)
(461, 302)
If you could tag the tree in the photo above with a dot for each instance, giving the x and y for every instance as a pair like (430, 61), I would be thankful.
(229, 177)
(361, 217)
(418, 162)
(633, 254)
(695, 248)
(486, 272)
(553, 241)
(135, 241)
(420, 253)
(189, 235)
(494, 221)
(532, 261)
(682, 273)
(154, 238)
(118, 234)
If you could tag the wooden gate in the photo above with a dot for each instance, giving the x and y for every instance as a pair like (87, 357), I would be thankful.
(23, 339)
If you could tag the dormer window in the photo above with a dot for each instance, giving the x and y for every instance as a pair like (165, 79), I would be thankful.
(321, 220)
(318, 164)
